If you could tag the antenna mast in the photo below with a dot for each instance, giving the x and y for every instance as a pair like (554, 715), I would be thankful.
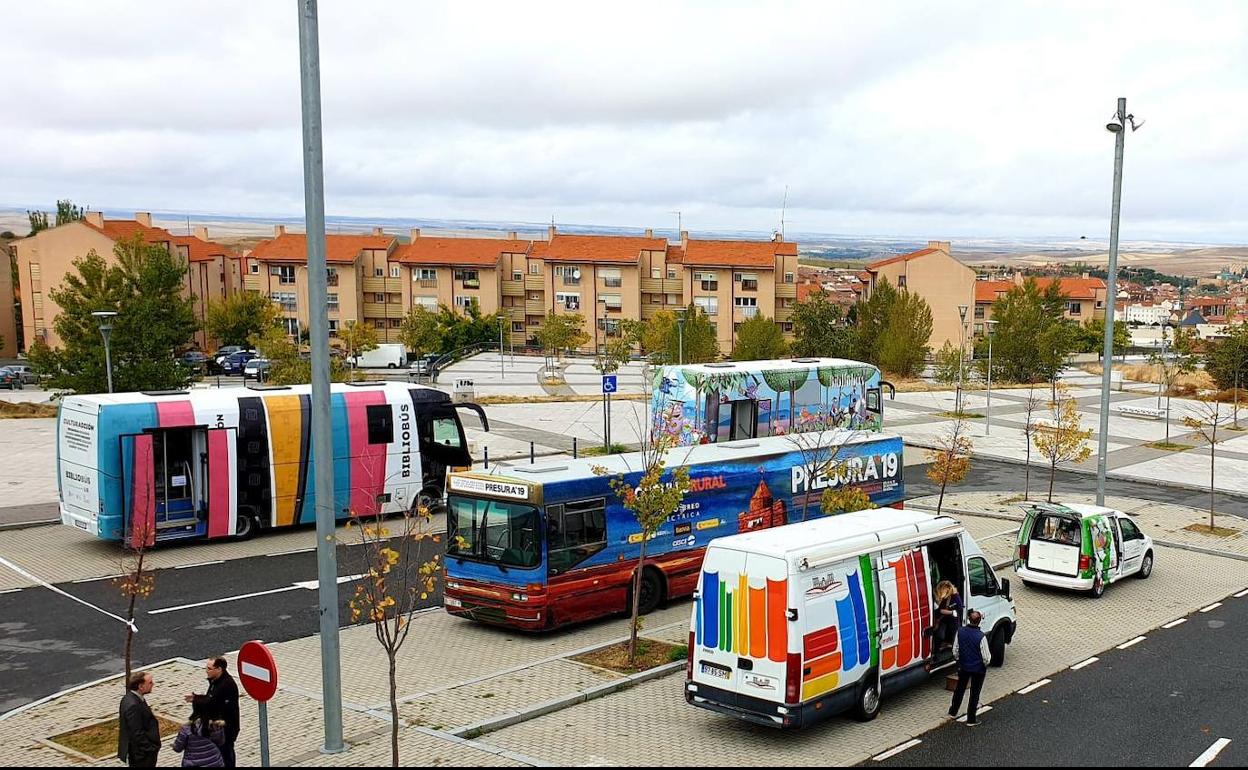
(784, 205)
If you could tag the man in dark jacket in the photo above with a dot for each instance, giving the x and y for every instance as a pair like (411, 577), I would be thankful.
(138, 732)
(221, 702)
(971, 649)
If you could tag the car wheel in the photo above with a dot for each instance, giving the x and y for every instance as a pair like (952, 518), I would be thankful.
(996, 647)
(867, 706)
(1098, 589)
(1146, 566)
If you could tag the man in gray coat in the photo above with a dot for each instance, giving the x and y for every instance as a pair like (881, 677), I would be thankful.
(138, 739)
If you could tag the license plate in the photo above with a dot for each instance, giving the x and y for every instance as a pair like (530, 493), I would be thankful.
(450, 602)
(719, 672)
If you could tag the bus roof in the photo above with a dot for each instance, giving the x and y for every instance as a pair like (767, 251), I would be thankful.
(614, 465)
(147, 397)
(830, 536)
(779, 364)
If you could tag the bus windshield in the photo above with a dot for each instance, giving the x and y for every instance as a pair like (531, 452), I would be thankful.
(493, 531)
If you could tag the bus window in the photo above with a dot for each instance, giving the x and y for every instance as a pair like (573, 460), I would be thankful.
(446, 432)
(575, 532)
(494, 532)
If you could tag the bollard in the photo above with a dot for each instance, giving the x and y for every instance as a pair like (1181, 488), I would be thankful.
(532, 454)
(487, 458)
(574, 447)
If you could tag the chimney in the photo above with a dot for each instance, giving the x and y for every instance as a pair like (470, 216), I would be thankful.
(649, 233)
(684, 239)
(513, 235)
(279, 231)
(377, 231)
(143, 217)
(1085, 274)
(944, 246)
(551, 232)
(95, 218)
(415, 233)
(201, 232)
(777, 237)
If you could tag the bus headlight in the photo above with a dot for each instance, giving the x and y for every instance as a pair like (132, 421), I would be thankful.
(451, 584)
(519, 597)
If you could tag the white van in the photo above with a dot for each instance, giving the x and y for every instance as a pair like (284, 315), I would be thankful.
(385, 356)
(1080, 547)
(794, 624)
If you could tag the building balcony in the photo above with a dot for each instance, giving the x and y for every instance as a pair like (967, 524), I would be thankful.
(383, 310)
(535, 307)
(516, 313)
(253, 283)
(535, 283)
(382, 285)
(427, 283)
(513, 288)
(650, 311)
(786, 290)
(662, 286)
(784, 314)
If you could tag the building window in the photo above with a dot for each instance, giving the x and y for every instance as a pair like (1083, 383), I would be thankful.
(612, 301)
(516, 275)
(571, 274)
(332, 301)
(901, 282)
(749, 281)
(394, 298)
(379, 323)
(379, 298)
(710, 305)
(331, 276)
(671, 275)
(656, 273)
(979, 329)
(470, 278)
(284, 273)
(286, 299)
(786, 327)
(788, 278)
(611, 278)
(535, 269)
(747, 305)
(612, 326)
(1100, 305)
(568, 301)
(1076, 308)
(255, 268)
(333, 326)
(380, 423)
(464, 302)
(517, 327)
(396, 323)
(673, 299)
(979, 312)
(710, 281)
(379, 272)
(428, 303)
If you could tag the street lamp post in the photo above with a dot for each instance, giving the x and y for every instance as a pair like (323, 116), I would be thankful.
(992, 327)
(105, 319)
(957, 401)
(501, 371)
(1117, 127)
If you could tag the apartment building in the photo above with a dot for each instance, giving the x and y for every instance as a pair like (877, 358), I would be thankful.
(1085, 297)
(43, 260)
(942, 281)
(8, 303)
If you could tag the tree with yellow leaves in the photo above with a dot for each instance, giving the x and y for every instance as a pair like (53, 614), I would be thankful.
(399, 566)
(1205, 418)
(137, 580)
(951, 459)
(1061, 440)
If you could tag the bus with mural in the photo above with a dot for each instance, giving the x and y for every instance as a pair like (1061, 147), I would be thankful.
(149, 468)
(735, 400)
(545, 545)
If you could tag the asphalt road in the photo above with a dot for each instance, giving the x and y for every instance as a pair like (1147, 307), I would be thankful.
(1161, 702)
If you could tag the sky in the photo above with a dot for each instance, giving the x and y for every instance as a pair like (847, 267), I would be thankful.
(933, 120)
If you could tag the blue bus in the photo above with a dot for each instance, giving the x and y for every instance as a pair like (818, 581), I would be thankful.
(541, 546)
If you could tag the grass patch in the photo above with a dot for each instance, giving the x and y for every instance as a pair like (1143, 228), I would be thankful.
(497, 400)
(960, 415)
(1183, 385)
(650, 654)
(26, 411)
(100, 739)
(599, 451)
(1205, 529)
(1014, 499)
(1169, 446)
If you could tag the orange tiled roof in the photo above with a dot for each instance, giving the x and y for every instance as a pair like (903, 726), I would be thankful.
(200, 250)
(900, 258)
(756, 254)
(990, 291)
(601, 248)
(1074, 288)
(458, 251)
(123, 229)
(293, 247)
(675, 255)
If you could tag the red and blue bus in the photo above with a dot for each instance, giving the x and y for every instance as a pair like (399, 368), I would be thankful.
(541, 546)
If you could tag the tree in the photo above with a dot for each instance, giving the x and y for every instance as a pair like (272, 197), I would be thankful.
(1227, 360)
(951, 459)
(652, 501)
(470, 328)
(38, 221)
(948, 362)
(819, 331)
(618, 349)
(845, 499)
(819, 445)
(1030, 405)
(154, 321)
(663, 341)
(871, 321)
(1205, 419)
(1062, 440)
(1090, 337)
(1177, 362)
(357, 338)
(903, 348)
(67, 212)
(420, 332)
(1032, 339)
(561, 332)
(398, 576)
(759, 339)
(286, 365)
(235, 319)
(136, 581)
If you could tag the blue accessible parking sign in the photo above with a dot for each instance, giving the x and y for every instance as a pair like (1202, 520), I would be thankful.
(608, 383)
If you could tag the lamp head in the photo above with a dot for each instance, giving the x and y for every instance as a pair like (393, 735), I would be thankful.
(1113, 127)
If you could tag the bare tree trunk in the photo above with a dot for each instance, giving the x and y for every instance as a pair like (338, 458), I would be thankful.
(394, 711)
(1027, 465)
(632, 626)
(134, 595)
(129, 641)
(1052, 476)
(943, 483)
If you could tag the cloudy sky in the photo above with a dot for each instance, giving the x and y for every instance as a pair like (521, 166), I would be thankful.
(919, 119)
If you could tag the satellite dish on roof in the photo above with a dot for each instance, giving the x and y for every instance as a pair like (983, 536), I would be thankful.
(576, 274)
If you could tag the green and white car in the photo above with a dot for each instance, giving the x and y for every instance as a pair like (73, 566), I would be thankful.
(1080, 547)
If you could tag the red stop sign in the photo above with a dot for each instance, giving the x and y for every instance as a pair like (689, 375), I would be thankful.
(257, 671)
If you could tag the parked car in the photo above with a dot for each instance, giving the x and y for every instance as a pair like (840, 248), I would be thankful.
(257, 369)
(10, 378)
(1080, 547)
(28, 375)
(235, 362)
(423, 366)
(196, 359)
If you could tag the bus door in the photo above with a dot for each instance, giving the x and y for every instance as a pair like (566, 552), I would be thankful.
(165, 481)
(442, 446)
(744, 423)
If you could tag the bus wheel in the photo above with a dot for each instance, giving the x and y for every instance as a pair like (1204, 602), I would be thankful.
(868, 704)
(651, 592)
(245, 527)
(430, 499)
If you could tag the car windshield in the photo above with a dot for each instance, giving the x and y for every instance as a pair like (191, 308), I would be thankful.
(494, 531)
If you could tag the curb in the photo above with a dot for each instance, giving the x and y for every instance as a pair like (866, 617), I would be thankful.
(558, 704)
(16, 525)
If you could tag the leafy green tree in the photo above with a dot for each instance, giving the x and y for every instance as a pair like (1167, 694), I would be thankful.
(619, 348)
(1090, 337)
(871, 318)
(286, 365)
(662, 338)
(904, 348)
(819, 331)
(948, 359)
(420, 331)
(471, 328)
(154, 321)
(759, 339)
(561, 332)
(235, 319)
(357, 338)
(67, 212)
(1226, 361)
(1033, 339)
(38, 221)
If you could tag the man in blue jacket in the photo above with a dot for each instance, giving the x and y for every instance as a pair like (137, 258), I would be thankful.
(970, 647)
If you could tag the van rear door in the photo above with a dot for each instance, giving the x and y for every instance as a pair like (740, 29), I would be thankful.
(741, 625)
(1055, 544)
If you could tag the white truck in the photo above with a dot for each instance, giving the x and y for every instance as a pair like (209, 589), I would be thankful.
(385, 356)
(794, 624)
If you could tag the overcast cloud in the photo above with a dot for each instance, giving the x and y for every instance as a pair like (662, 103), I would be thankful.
(922, 119)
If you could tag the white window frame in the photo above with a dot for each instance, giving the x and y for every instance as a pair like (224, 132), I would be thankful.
(614, 302)
(710, 305)
(394, 271)
(569, 300)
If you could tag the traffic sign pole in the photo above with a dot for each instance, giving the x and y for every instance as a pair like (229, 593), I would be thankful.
(264, 734)
(257, 672)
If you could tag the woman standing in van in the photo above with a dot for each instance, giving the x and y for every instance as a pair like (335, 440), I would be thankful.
(948, 614)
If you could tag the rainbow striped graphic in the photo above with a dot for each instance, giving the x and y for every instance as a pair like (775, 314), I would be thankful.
(910, 597)
(847, 644)
(734, 616)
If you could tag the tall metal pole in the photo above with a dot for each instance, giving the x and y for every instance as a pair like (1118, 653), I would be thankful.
(108, 357)
(988, 410)
(502, 372)
(1107, 355)
(318, 319)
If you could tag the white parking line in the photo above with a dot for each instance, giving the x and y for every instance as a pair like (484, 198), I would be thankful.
(982, 710)
(1211, 607)
(93, 579)
(200, 564)
(1131, 643)
(222, 601)
(1085, 663)
(1211, 753)
(1242, 594)
(10, 591)
(897, 750)
(1034, 686)
(1174, 623)
(293, 550)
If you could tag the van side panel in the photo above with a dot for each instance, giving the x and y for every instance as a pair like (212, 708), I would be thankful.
(837, 644)
(906, 609)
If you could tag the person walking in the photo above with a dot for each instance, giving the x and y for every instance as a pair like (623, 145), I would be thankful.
(199, 742)
(138, 732)
(220, 703)
(970, 647)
